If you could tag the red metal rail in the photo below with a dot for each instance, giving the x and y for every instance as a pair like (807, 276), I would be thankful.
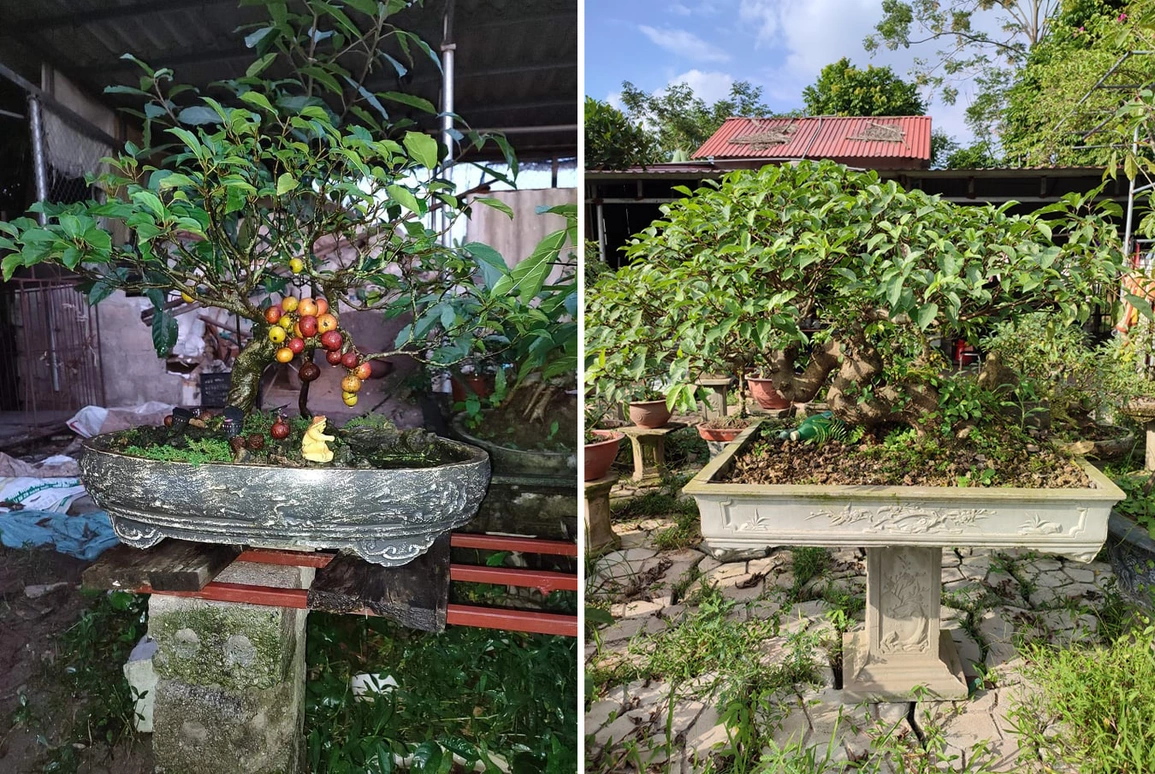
(546, 581)
(458, 615)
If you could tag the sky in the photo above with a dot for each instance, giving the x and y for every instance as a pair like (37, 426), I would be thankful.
(780, 45)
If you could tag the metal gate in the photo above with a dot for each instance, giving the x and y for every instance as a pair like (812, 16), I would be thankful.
(52, 335)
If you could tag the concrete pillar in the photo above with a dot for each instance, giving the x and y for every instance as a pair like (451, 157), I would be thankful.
(649, 447)
(599, 532)
(231, 689)
(902, 645)
(717, 392)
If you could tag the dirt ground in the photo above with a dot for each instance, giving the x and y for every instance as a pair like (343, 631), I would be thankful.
(40, 600)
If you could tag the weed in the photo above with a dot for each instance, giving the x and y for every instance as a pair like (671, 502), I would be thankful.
(86, 673)
(1092, 708)
(686, 533)
(808, 564)
(479, 693)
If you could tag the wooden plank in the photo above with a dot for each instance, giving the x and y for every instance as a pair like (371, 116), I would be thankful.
(174, 565)
(286, 558)
(532, 621)
(509, 543)
(415, 595)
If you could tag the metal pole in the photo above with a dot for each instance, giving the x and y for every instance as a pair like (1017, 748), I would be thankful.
(448, 48)
(1130, 200)
(38, 163)
(601, 233)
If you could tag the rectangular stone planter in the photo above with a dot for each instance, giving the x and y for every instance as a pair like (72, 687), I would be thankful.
(903, 529)
(1069, 522)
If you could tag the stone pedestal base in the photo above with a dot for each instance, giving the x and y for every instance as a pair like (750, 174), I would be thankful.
(1149, 459)
(599, 534)
(901, 679)
(716, 397)
(649, 447)
(902, 647)
(230, 698)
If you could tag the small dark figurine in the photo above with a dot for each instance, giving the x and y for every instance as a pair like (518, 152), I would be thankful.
(256, 442)
(180, 419)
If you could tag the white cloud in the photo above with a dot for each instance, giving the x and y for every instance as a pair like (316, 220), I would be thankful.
(684, 44)
(764, 14)
(708, 86)
(614, 99)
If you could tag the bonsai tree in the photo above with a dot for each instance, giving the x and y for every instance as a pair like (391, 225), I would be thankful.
(527, 318)
(299, 184)
(734, 271)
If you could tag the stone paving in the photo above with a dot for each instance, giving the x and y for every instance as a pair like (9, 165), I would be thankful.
(1000, 597)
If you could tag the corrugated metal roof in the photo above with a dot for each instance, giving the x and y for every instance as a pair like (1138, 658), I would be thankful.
(846, 139)
(516, 61)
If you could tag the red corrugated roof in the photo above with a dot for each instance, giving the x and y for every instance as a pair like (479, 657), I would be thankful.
(896, 139)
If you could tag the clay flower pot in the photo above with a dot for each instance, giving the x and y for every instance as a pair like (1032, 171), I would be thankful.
(600, 456)
(722, 434)
(764, 392)
(649, 413)
(464, 385)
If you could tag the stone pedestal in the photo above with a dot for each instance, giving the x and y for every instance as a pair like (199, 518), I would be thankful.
(538, 506)
(1149, 461)
(230, 695)
(599, 534)
(718, 390)
(902, 645)
(649, 447)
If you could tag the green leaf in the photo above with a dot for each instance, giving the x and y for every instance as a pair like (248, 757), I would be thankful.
(9, 265)
(410, 100)
(198, 115)
(164, 332)
(260, 65)
(489, 261)
(422, 148)
(99, 291)
(367, 7)
(253, 38)
(927, 315)
(258, 99)
(285, 183)
(404, 197)
(496, 204)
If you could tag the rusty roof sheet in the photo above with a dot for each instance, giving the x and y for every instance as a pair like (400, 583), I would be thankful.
(822, 137)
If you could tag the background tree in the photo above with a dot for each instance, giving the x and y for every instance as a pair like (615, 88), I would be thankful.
(968, 51)
(845, 90)
(612, 141)
(681, 120)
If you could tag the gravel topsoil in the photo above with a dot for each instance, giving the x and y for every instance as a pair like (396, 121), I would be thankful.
(771, 461)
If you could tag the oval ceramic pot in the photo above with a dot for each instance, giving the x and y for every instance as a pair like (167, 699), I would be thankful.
(600, 456)
(509, 461)
(385, 516)
(649, 413)
(721, 434)
(1131, 552)
(764, 393)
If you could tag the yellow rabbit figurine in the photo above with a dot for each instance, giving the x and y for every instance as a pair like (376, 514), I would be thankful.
(313, 446)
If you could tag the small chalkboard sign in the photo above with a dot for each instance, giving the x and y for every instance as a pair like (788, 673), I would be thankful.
(215, 389)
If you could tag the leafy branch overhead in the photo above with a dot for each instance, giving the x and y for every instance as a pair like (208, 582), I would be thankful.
(296, 174)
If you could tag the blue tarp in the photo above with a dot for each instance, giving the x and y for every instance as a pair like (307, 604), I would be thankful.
(86, 536)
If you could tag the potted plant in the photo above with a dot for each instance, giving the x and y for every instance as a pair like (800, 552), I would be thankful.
(887, 272)
(529, 421)
(287, 200)
(1061, 382)
(648, 408)
(601, 446)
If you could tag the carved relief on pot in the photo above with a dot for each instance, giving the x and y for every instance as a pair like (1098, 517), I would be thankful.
(906, 605)
(905, 519)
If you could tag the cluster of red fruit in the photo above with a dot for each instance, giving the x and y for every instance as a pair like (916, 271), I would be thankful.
(310, 322)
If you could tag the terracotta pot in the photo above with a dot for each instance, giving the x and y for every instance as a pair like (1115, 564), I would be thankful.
(600, 455)
(649, 413)
(463, 386)
(764, 392)
(723, 434)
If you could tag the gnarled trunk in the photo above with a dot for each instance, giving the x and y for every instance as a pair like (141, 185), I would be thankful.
(247, 370)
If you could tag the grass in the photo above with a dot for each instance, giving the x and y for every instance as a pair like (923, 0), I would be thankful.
(81, 697)
(484, 695)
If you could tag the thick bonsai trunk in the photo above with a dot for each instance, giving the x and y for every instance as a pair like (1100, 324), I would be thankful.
(846, 369)
(247, 370)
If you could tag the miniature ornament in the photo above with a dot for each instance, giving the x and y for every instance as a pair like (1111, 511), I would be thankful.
(313, 445)
(818, 428)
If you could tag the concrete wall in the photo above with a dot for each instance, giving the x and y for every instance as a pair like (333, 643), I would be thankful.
(133, 374)
(516, 239)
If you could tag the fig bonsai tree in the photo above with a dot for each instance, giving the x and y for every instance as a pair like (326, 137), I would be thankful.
(286, 196)
(736, 270)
